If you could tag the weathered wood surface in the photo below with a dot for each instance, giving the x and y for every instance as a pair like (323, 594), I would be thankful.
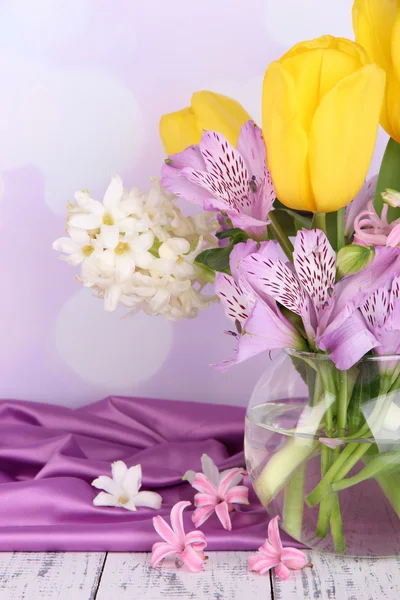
(225, 577)
(341, 578)
(49, 576)
(93, 576)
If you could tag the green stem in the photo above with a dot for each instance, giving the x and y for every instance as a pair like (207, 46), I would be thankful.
(340, 229)
(293, 504)
(337, 528)
(319, 221)
(342, 403)
(280, 236)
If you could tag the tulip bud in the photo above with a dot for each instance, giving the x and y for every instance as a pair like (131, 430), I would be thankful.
(352, 259)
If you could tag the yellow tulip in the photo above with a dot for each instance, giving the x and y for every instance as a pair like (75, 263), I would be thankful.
(376, 24)
(208, 110)
(321, 107)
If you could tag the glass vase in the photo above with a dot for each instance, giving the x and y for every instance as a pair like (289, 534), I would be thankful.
(323, 451)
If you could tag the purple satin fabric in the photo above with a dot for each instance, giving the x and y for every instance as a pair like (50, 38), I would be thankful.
(50, 454)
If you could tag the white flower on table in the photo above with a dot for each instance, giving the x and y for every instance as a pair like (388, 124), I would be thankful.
(122, 489)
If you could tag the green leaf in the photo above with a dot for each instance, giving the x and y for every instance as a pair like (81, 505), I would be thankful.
(216, 258)
(302, 218)
(389, 177)
(228, 233)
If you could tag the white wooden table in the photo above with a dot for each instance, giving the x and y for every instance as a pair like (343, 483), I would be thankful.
(101, 576)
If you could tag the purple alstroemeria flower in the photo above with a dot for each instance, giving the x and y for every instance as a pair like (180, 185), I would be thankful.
(329, 310)
(219, 177)
(259, 324)
(381, 313)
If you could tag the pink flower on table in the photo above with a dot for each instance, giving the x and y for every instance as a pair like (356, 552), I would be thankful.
(217, 492)
(188, 548)
(273, 555)
(218, 176)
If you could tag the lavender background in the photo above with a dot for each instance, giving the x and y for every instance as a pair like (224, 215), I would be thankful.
(83, 84)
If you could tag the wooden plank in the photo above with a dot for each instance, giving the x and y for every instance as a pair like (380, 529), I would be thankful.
(342, 578)
(225, 577)
(50, 575)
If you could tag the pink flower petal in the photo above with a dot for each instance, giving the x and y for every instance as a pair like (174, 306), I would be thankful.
(160, 551)
(331, 442)
(197, 539)
(165, 531)
(235, 300)
(192, 559)
(282, 572)
(273, 534)
(177, 519)
(293, 558)
(203, 485)
(201, 515)
(230, 479)
(237, 495)
(205, 500)
(268, 550)
(261, 564)
(222, 512)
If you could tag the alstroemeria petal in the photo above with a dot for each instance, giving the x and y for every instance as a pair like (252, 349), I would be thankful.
(107, 484)
(204, 485)
(275, 279)
(160, 551)
(118, 469)
(293, 558)
(210, 469)
(104, 499)
(235, 300)
(132, 480)
(192, 559)
(229, 479)
(177, 519)
(315, 263)
(149, 499)
(175, 181)
(349, 342)
(273, 534)
(222, 512)
(237, 495)
(201, 514)
(282, 572)
(165, 531)
(251, 146)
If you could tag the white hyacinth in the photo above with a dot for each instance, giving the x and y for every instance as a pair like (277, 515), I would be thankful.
(138, 250)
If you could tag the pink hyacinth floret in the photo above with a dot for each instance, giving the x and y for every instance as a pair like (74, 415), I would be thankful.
(217, 492)
(273, 555)
(188, 548)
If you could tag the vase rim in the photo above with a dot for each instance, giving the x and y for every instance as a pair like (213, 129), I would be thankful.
(320, 356)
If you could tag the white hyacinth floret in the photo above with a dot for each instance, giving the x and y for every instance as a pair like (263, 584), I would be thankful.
(138, 250)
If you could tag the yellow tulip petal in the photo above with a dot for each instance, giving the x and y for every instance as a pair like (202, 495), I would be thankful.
(343, 135)
(372, 23)
(286, 140)
(390, 117)
(395, 45)
(219, 113)
(178, 130)
(332, 43)
(314, 73)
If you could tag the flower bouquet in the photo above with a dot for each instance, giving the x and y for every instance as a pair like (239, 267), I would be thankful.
(304, 256)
